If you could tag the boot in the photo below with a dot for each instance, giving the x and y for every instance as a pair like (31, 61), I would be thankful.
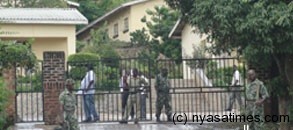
(135, 121)
(123, 122)
(169, 118)
(158, 119)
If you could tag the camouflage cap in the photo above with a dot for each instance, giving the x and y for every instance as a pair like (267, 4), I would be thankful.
(69, 82)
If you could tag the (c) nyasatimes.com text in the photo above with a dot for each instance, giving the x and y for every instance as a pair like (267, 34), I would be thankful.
(229, 118)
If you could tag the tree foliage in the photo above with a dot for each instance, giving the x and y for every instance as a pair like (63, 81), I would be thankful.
(34, 3)
(16, 54)
(93, 9)
(263, 29)
(101, 44)
(257, 27)
(156, 39)
(4, 93)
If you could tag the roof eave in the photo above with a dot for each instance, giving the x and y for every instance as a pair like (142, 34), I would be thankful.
(43, 22)
(102, 18)
(171, 34)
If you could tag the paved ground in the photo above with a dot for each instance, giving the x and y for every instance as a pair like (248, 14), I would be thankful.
(131, 126)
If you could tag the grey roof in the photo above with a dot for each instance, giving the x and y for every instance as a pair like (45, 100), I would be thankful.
(42, 16)
(118, 9)
(72, 3)
(177, 29)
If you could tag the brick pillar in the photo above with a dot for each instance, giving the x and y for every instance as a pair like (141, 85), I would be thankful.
(53, 82)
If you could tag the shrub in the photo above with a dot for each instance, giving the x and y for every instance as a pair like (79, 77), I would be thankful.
(33, 81)
(222, 77)
(4, 93)
(79, 62)
(77, 59)
(108, 79)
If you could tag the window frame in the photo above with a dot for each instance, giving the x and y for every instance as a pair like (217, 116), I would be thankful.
(115, 30)
(126, 25)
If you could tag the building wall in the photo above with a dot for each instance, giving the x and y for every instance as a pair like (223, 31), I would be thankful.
(190, 38)
(118, 18)
(139, 11)
(41, 45)
(47, 37)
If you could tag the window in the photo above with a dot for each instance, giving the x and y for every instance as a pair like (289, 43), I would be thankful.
(115, 30)
(126, 25)
(106, 35)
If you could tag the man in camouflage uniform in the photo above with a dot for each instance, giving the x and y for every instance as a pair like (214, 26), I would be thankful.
(134, 84)
(256, 94)
(68, 104)
(162, 86)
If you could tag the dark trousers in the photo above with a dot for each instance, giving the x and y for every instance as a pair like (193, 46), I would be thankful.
(125, 95)
(143, 106)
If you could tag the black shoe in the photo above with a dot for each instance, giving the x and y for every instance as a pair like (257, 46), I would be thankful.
(169, 119)
(87, 120)
(158, 119)
(96, 119)
(228, 109)
(135, 121)
(123, 122)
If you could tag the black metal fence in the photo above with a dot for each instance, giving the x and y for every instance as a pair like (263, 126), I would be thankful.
(202, 86)
(29, 94)
(198, 87)
(108, 96)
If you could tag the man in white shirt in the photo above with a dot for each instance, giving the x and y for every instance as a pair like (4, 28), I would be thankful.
(88, 88)
(125, 92)
(143, 96)
(235, 85)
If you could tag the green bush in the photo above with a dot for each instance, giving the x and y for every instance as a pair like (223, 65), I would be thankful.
(221, 77)
(16, 54)
(4, 93)
(31, 82)
(78, 63)
(79, 58)
(107, 70)
(108, 78)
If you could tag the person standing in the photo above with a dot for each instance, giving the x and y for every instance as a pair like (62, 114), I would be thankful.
(143, 96)
(68, 106)
(134, 84)
(235, 86)
(162, 86)
(88, 87)
(256, 94)
(125, 93)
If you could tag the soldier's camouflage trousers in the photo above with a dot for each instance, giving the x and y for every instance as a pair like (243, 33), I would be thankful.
(70, 122)
(163, 99)
(255, 111)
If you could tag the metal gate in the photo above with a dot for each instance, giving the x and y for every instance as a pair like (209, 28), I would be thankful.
(108, 97)
(201, 86)
(29, 94)
(198, 86)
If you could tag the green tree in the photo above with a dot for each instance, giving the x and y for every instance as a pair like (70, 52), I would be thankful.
(161, 22)
(93, 9)
(12, 55)
(34, 3)
(101, 44)
(262, 27)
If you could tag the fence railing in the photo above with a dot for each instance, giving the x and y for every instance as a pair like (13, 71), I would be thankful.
(29, 94)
